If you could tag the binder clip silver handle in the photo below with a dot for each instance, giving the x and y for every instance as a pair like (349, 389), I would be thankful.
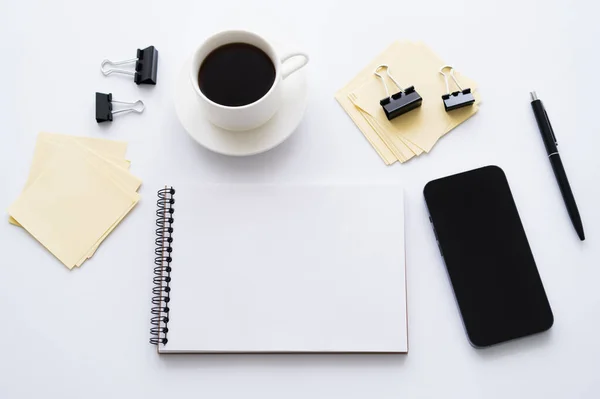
(452, 76)
(137, 106)
(387, 68)
(104, 107)
(108, 71)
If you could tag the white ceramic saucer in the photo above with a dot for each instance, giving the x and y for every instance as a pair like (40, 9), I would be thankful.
(250, 142)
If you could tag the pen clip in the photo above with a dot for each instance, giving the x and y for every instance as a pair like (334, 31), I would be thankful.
(551, 128)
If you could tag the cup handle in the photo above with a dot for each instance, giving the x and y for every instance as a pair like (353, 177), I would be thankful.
(291, 67)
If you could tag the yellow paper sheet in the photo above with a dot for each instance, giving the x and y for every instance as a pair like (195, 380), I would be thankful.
(401, 150)
(342, 98)
(106, 234)
(104, 147)
(48, 145)
(381, 131)
(458, 116)
(383, 135)
(106, 152)
(386, 154)
(380, 147)
(70, 206)
(397, 145)
(426, 124)
(122, 177)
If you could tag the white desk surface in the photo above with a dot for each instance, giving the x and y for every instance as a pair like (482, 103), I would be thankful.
(85, 333)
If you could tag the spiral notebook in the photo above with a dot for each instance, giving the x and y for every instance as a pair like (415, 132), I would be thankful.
(280, 269)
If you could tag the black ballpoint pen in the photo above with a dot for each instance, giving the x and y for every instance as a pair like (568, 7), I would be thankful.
(559, 171)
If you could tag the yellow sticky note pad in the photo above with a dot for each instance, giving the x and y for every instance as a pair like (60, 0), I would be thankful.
(424, 125)
(354, 113)
(104, 147)
(49, 151)
(342, 97)
(106, 234)
(395, 143)
(72, 205)
(121, 176)
(411, 134)
(49, 145)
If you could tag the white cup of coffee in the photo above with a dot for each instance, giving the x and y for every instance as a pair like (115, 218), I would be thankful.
(237, 76)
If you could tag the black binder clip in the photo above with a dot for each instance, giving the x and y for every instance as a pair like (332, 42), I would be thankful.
(146, 66)
(104, 107)
(400, 103)
(457, 99)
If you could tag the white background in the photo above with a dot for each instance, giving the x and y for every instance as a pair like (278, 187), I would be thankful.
(85, 333)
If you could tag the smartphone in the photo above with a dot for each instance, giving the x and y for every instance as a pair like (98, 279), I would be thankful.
(494, 276)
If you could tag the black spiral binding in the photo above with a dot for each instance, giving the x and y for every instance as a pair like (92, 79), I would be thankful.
(162, 271)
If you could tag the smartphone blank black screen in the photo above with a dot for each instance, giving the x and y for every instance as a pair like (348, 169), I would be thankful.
(491, 268)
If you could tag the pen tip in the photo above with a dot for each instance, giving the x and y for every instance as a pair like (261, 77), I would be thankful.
(533, 96)
(580, 233)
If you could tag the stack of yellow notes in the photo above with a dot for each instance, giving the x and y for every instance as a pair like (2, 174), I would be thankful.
(78, 190)
(411, 134)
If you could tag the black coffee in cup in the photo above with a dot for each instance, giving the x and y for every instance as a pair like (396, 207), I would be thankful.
(236, 74)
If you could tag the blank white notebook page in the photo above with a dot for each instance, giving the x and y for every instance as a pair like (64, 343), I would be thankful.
(292, 268)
